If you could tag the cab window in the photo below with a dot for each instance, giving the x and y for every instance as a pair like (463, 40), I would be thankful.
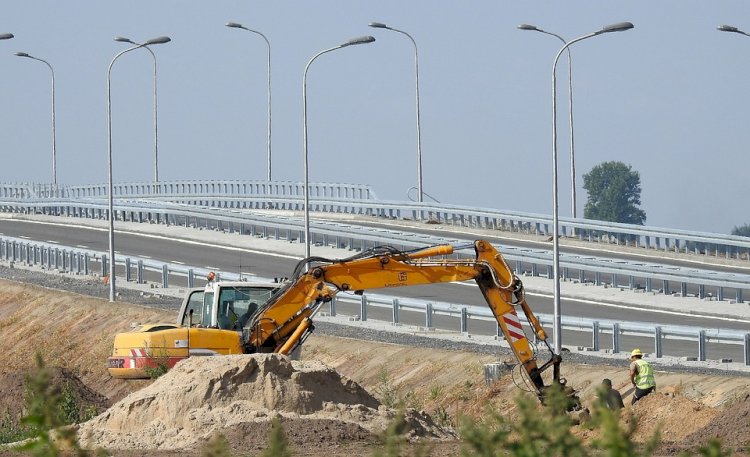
(237, 305)
(208, 305)
(195, 302)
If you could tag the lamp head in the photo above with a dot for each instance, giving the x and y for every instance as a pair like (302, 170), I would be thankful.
(728, 28)
(122, 39)
(22, 54)
(378, 25)
(359, 40)
(527, 27)
(618, 27)
(6, 36)
(234, 25)
(158, 40)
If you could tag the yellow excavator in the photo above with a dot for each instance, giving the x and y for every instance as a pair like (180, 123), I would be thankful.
(247, 317)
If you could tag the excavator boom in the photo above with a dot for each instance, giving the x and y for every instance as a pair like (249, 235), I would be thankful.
(286, 319)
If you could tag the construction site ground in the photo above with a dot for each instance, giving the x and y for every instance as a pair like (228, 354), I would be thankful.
(346, 386)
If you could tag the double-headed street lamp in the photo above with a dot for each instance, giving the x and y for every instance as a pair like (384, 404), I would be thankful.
(557, 325)
(353, 41)
(235, 25)
(158, 40)
(156, 109)
(54, 148)
(570, 113)
(379, 25)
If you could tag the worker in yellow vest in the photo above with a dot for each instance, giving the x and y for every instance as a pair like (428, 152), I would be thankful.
(641, 376)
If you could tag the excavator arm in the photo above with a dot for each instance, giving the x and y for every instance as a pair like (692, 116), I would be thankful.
(286, 319)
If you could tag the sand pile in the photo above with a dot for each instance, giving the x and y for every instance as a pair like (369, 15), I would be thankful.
(659, 410)
(240, 395)
(731, 427)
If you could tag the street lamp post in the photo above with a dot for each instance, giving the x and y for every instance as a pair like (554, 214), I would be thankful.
(159, 40)
(156, 109)
(235, 25)
(570, 114)
(353, 41)
(557, 327)
(54, 147)
(379, 25)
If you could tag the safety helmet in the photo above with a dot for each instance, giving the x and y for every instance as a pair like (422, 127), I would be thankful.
(635, 352)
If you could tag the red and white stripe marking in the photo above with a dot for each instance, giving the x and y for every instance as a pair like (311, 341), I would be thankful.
(513, 324)
(136, 353)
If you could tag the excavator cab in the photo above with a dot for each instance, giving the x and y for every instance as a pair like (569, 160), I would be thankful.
(210, 322)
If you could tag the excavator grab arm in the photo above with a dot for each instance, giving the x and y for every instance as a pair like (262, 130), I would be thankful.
(287, 318)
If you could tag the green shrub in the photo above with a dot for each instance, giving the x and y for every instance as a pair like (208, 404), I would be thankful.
(385, 389)
(10, 431)
(394, 440)
(278, 446)
(217, 446)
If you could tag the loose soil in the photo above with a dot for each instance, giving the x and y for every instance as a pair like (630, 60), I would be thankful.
(334, 401)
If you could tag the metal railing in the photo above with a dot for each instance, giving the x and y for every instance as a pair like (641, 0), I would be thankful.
(596, 327)
(599, 270)
(360, 199)
(84, 261)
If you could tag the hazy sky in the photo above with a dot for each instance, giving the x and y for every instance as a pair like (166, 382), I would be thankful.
(668, 98)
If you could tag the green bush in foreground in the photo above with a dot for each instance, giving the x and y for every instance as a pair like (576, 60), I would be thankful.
(217, 446)
(549, 433)
(278, 446)
(533, 434)
(49, 412)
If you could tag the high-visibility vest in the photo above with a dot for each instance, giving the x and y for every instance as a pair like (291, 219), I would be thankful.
(645, 376)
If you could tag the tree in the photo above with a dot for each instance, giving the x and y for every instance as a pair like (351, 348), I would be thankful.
(614, 194)
(742, 230)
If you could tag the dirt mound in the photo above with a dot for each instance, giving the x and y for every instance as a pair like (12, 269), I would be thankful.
(239, 395)
(731, 426)
(78, 400)
(659, 410)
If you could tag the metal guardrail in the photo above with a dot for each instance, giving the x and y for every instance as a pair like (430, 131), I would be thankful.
(597, 327)
(196, 188)
(537, 262)
(83, 261)
(360, 199)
